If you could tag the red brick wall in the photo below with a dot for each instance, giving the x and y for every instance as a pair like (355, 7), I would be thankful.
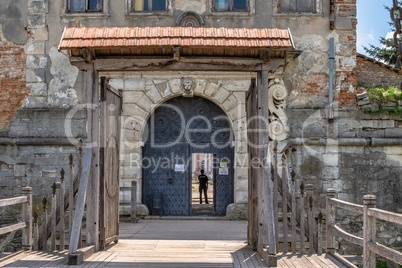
(374, 73)
(12, 80)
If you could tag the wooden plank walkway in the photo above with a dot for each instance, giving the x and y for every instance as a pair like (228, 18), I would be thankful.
(172, 243)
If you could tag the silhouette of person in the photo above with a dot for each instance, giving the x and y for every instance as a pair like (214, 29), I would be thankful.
(203, 186)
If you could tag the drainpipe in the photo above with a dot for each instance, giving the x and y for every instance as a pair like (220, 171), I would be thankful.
(331, 77)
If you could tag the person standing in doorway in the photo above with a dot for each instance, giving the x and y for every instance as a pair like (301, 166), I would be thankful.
(203, 186)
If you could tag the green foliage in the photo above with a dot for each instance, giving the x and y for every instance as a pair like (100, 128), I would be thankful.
(383, 95)
(383, 264)
(388, 52)
(361, 84)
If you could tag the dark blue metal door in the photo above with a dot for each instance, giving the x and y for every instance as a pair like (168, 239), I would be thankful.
(176, 130)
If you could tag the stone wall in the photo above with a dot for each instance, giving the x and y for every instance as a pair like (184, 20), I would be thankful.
(374, 73)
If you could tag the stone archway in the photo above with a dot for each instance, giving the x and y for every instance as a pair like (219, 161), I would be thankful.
(177, 131)
(144, 92)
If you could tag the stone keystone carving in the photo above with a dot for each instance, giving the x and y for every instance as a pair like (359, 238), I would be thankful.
(187, 84)
(278, 121)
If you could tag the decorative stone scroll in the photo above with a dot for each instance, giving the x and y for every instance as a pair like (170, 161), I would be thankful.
(187, 84)
(278, 121)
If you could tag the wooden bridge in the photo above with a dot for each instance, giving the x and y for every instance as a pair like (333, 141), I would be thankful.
(173, 243)
(296, 239)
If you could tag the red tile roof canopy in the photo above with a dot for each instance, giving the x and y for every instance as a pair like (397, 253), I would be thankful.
(111, 41)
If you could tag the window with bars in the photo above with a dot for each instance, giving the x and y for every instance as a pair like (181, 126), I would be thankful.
(231, 5)
(148, 5)
(297, 6)
(84, 5)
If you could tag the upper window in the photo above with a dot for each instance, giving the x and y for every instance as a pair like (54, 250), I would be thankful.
(84, 5)
(296, 6)
(148, 5)
(231, 5)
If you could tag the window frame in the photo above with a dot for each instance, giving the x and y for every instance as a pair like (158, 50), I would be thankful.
(86, 14)
(232, 13)
(87, 2)
(230, 7)
(317, 10)
(131, 8)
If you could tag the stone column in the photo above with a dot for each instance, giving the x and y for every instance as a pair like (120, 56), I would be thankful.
(35, 50)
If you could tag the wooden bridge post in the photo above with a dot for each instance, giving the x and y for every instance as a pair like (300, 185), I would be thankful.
(133, 201)
(62, 207)
(35, 232)
(369, 231)
(71, 194)
(44, 224)
(56, 192)
(302, 220)
(293, 219)
(27, 214)
(331, 193)
(319, 234)
(310, 222)
(266, 230)
(285, 193)
(275, 190)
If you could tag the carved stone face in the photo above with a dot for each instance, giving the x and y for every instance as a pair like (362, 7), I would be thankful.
(187, 84)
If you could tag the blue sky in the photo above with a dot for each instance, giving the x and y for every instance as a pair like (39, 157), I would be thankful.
(372, 22)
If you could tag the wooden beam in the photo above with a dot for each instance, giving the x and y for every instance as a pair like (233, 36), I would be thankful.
(262, 184)
(185, 64)
(133, 210)
(231, 61)
(252, 110)
(80, 255)
(80, 204)
(176, 53)
(11, 228)
(13, 201)
(266, 237)
(93, 186)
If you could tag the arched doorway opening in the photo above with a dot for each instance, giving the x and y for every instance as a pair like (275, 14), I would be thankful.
(179, 131)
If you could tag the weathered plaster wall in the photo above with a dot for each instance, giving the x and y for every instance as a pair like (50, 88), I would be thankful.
(143, 92)
(13, 18)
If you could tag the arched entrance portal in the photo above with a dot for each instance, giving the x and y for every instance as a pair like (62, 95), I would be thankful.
(177, 130)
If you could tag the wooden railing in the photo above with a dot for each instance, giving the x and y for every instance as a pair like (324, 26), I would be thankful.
(297, 207)
(50, 231)
(370, 214)
(63, 218)
(26, 216)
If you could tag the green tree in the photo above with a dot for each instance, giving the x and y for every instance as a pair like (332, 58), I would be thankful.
(388, 52)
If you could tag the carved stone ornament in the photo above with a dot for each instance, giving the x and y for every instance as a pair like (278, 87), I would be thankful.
(187, 84)
(278, 121)
(190, 19)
